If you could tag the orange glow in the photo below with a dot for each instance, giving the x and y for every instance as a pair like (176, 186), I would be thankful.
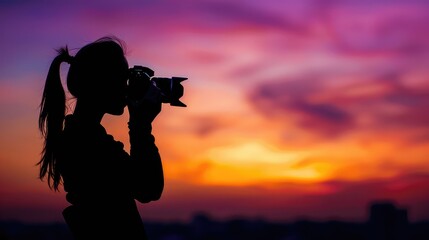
(303, 104)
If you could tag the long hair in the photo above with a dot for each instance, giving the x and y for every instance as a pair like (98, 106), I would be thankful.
(53, 103)
(51, 118)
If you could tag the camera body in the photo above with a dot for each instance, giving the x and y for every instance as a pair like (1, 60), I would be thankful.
(141, 77)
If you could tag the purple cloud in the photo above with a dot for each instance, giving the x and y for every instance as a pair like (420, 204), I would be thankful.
(291, 99)
(386, 103)
(232, 14)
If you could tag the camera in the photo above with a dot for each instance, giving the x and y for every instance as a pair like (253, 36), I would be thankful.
(141, 77)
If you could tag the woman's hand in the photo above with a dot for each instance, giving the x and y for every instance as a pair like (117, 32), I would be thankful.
(146, 109)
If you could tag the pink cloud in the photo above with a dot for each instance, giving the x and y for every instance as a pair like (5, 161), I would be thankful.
(316, 105)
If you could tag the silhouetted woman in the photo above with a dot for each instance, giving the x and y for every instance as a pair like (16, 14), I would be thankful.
(101, 180)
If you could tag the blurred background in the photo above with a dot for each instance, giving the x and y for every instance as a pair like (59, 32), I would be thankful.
(304, 109)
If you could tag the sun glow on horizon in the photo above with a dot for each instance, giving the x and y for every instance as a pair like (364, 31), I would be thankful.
(255, 163)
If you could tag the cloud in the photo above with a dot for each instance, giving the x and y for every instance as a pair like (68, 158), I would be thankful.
(236, 16)
(322, 116)
(204, 126)
(377, 104)
(291, 99)
(391, 30)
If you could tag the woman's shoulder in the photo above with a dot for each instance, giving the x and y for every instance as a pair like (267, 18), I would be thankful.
(85, 142)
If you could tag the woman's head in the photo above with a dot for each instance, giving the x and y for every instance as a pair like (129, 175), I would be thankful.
(97, 77)
(99, 72)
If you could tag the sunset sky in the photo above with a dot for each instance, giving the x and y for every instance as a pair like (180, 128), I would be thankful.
(296, 109)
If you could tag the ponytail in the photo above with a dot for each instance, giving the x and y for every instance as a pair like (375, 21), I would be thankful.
(51, 118)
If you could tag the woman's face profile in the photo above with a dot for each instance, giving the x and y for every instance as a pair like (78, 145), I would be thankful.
(115, 89)
(99, 77)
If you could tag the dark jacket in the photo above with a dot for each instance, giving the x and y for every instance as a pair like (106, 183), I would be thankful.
(103, 181)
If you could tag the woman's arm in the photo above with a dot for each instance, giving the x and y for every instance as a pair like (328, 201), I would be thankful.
(147, 172)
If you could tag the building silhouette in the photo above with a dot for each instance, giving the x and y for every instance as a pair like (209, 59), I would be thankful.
(386, 221)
